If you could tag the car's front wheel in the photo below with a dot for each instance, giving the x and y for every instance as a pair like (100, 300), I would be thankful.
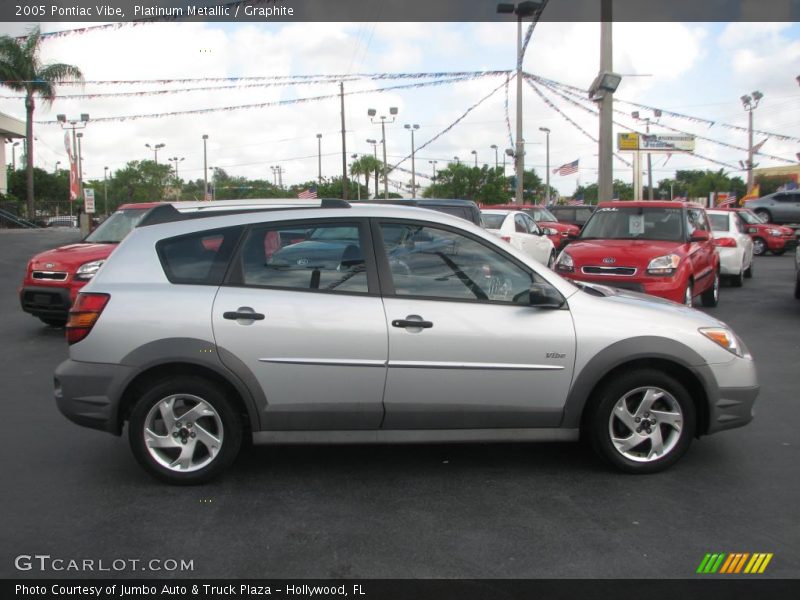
(642, 421)
(184, 430)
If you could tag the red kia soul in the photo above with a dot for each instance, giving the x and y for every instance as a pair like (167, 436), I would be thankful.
(54, 278)
(659, 248)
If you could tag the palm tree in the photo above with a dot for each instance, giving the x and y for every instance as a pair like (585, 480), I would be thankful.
(366, 166)
(22, 70)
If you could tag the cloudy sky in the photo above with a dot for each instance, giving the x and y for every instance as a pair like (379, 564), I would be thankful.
(697, 69)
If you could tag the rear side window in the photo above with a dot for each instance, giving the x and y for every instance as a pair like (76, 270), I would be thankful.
(198, 258)
(719, 222)
(311, 256)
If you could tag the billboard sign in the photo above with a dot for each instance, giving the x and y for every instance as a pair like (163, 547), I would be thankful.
(651, 142)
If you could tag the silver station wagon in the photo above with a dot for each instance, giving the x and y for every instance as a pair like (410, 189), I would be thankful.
(380, 324)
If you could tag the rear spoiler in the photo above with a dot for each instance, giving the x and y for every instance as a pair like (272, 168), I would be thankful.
(167, 213)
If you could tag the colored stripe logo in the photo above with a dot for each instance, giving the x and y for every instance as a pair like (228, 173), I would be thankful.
(734, 563)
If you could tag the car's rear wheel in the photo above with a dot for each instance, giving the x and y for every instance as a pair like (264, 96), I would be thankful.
(710, 297)
(738, 279)
(642, 421)
(748, 272)
(764, 214)
(184, 430)
(759, 247)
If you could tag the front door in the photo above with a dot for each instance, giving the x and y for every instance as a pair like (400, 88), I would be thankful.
(466, 350)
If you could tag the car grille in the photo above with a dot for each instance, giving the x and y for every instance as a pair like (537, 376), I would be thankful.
(618, 271)
(50, 275)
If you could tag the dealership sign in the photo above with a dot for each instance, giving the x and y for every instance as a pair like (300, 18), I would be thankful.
(647, 142)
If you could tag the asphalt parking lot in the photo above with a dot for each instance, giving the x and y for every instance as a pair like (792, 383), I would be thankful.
(434, 511)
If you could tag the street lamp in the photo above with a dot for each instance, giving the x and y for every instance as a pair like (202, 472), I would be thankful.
(319, 157)
(277, 171)
(155, 148)
(411, 128)
(750, 103)
(546, 131)
(522, 10)
(14, 156)
(433, 163)
(176, 160)
(636, 116)
(496, 163)
(55, 171)
(73, 124)
(372, 113)
(205, 167)
(475, 154)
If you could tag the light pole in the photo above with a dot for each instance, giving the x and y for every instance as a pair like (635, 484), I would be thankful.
(458, 161)
(496, 162)
(358, 185)
(277, 171)
(433, 163)
(55, 171)
(750, 103)
(522, 10)
(14, 156)
(656, 114)
(475, 154)
(205, 167)
(155, 148)
(105, 190)
(176, 160)
(411, 128)
(393, 112)
(375, 154)
(319, 157)
(547, 165)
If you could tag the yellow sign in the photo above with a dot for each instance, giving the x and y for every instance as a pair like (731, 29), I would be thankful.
(627, 141)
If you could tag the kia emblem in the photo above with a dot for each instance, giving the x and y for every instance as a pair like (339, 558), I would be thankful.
(49, 265)
(609, 260)
(302, 261)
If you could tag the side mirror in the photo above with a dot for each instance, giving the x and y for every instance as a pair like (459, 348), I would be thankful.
(698, 235)
(545, 296)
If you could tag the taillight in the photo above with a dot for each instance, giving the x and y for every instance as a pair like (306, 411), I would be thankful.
(725, 242)
(84, 314)
(506, 238)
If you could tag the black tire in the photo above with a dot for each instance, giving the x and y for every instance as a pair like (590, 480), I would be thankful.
(780, 252)
(710, 297)
(53, 322)
(738, 279)
(748, 272)
(688, 294)
(759, 246)
(187, 386)
(764, 214)
(599, 424)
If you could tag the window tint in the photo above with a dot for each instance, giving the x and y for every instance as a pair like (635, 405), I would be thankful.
(314, 257)
(532, 226)
(432, 262)
(493, 221)
(520, 226)
(719, 222)
(199, 258)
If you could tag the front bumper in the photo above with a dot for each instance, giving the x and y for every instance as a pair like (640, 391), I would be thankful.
(89, 394)
(782, 243)
(670, 288)
(46, 301)
(733, 404)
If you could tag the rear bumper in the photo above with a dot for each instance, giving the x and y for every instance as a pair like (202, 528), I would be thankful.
(730, 261)
(89, 394)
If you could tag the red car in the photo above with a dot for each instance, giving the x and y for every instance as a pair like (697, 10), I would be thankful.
(766, 236)
(55, 277)
(560, 234)
(659, 248)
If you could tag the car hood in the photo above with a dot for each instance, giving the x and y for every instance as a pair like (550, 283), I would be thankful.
(635, 253)
(68, 258)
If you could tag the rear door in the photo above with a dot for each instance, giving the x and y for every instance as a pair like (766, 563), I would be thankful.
(466, 350)
(300, 312)
(701, 254)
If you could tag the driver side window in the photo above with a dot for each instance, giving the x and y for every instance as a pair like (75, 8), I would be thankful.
(437, 263)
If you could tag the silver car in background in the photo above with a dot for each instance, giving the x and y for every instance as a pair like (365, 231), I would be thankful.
(380, 324)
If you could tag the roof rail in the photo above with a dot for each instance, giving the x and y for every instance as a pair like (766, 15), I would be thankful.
(167, 213)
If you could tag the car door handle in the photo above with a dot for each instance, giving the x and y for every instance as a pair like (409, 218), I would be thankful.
(403, 323)
(235, 315)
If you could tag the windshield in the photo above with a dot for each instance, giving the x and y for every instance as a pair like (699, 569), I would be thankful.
(540, 214)
(719, 222)
(114, 229)
(750, 217)
(492, 221)
(635, 223)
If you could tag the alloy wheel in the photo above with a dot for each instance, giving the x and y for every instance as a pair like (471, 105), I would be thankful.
(645, 424)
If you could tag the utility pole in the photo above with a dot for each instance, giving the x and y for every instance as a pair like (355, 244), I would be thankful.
(605, 175)
(319, 157)
(411, 128)
(433, 163)
(105, 190)
(344, 145)
(375, 154)
(547, 165)
(205, 168)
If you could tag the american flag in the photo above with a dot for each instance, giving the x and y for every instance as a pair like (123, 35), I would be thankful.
(729, 201)
(307, 194)
(575, 203)
(567, 169)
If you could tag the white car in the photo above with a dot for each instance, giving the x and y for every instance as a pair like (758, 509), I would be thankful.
(522, 232)
(733, 244)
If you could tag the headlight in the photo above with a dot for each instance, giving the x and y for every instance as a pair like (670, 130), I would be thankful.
(565, 263)
(725, 338)
(774, 232)
(664, 265)
(87, 270)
